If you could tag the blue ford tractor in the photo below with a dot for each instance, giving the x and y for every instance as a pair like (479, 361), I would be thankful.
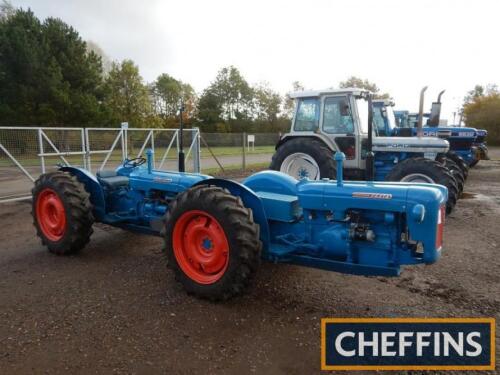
(330, 121)
(385, 124)
(466, 142)
(217, 231)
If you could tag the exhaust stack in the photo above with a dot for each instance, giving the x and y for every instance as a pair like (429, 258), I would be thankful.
(421, 112)
(436, 111)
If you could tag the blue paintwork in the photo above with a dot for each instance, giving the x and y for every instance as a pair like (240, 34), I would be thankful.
(352, 227)
(469, 143)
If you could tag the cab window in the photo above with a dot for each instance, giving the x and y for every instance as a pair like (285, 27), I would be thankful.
(378, 120)
(307, 117)
(337, 116)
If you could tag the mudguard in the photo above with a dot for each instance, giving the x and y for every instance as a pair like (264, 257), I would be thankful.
(93, 187)
(250, 200)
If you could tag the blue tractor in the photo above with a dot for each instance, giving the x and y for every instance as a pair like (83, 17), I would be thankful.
(385, 124)
(466, 142)
(216, 231)
(330, 121)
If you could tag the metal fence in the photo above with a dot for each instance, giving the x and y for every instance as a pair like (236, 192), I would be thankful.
(26, 152)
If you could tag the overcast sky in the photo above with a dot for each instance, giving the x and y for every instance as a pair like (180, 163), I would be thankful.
(400, 45)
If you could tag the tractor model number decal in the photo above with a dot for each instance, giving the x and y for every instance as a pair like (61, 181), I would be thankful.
(371, 195)
(466, 134)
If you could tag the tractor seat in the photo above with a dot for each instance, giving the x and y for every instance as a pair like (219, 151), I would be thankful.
(110, 180)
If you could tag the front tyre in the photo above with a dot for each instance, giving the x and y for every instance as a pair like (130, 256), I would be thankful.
(62, 212)
(211, 242)
(427, 171)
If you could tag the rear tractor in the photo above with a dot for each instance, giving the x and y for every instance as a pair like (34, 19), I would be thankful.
(328, 122)
(217, 231)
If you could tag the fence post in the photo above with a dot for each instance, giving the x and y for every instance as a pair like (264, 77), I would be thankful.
(243, 155)
(124, 127)
(87, 150)
(40, 145)
(196, 151)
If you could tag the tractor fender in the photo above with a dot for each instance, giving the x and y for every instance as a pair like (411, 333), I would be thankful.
(320, 137)
(93, 187)
(250, 200)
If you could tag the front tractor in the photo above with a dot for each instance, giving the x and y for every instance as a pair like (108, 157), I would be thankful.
(327, 122)
(216, 231)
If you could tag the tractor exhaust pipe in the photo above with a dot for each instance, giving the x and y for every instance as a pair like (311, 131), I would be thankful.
(182, 167)
(436, 111)
(370, 156)
(421, 112)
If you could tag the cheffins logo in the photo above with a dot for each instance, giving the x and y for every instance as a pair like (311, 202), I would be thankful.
(408, 344)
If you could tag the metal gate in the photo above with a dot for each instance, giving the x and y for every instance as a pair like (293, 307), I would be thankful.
(26, 152)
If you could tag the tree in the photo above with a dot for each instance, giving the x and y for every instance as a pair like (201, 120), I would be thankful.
(81, 73)
(46, 75)
(168, 93)
(126, 97)
(31, 81)
(289, 103)
(233, 93)
(107, 63)
(267, 103)
(364, 84)
(482, 110)
(6, 10)
(209, 110)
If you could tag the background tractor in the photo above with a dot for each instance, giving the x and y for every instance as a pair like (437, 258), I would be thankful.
(330, 121)
(466, 142)
(216, 231)
(385, 124)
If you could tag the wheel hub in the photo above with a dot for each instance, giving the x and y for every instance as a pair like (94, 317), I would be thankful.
(51, 215)
(300, 165)
(200, 246)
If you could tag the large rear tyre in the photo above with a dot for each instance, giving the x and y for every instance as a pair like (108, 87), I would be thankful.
(427, 171)
(304, 157)
(457, 173)
(62, 212)
(211, 242)
(460, 162)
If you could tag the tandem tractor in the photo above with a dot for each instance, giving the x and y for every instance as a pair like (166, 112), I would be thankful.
(216, 231)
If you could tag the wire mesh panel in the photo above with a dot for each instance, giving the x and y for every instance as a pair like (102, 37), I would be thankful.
(26, 152)
(231, 150)
(19, 145)
(105, 148)
(62, 146)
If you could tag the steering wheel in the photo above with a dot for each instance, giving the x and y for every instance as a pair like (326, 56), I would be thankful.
(135, 162)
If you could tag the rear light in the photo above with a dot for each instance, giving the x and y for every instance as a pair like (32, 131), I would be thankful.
(440, 227)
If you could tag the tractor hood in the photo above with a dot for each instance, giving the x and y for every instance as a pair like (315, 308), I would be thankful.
(411, 144)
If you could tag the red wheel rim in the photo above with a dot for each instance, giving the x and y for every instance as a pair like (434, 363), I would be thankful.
(200, 247)
(50, 215)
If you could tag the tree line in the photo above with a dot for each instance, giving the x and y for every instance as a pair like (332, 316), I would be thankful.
(50, 76)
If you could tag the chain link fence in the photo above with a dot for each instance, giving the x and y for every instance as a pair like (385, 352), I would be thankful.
(222, 152)
(26, 152)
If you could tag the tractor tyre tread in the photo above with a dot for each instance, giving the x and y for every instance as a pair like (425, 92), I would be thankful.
(460, 162)
(78, 210)
(434, 169)
(241, 231)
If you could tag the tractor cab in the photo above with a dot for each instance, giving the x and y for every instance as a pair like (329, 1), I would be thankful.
(338, 120)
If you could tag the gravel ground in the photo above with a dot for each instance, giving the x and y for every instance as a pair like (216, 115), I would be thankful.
(115, 307)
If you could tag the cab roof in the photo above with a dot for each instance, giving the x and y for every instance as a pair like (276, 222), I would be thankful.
(330, 91)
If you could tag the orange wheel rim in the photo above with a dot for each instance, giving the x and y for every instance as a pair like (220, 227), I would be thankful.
(200, 247)
(50, 215)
